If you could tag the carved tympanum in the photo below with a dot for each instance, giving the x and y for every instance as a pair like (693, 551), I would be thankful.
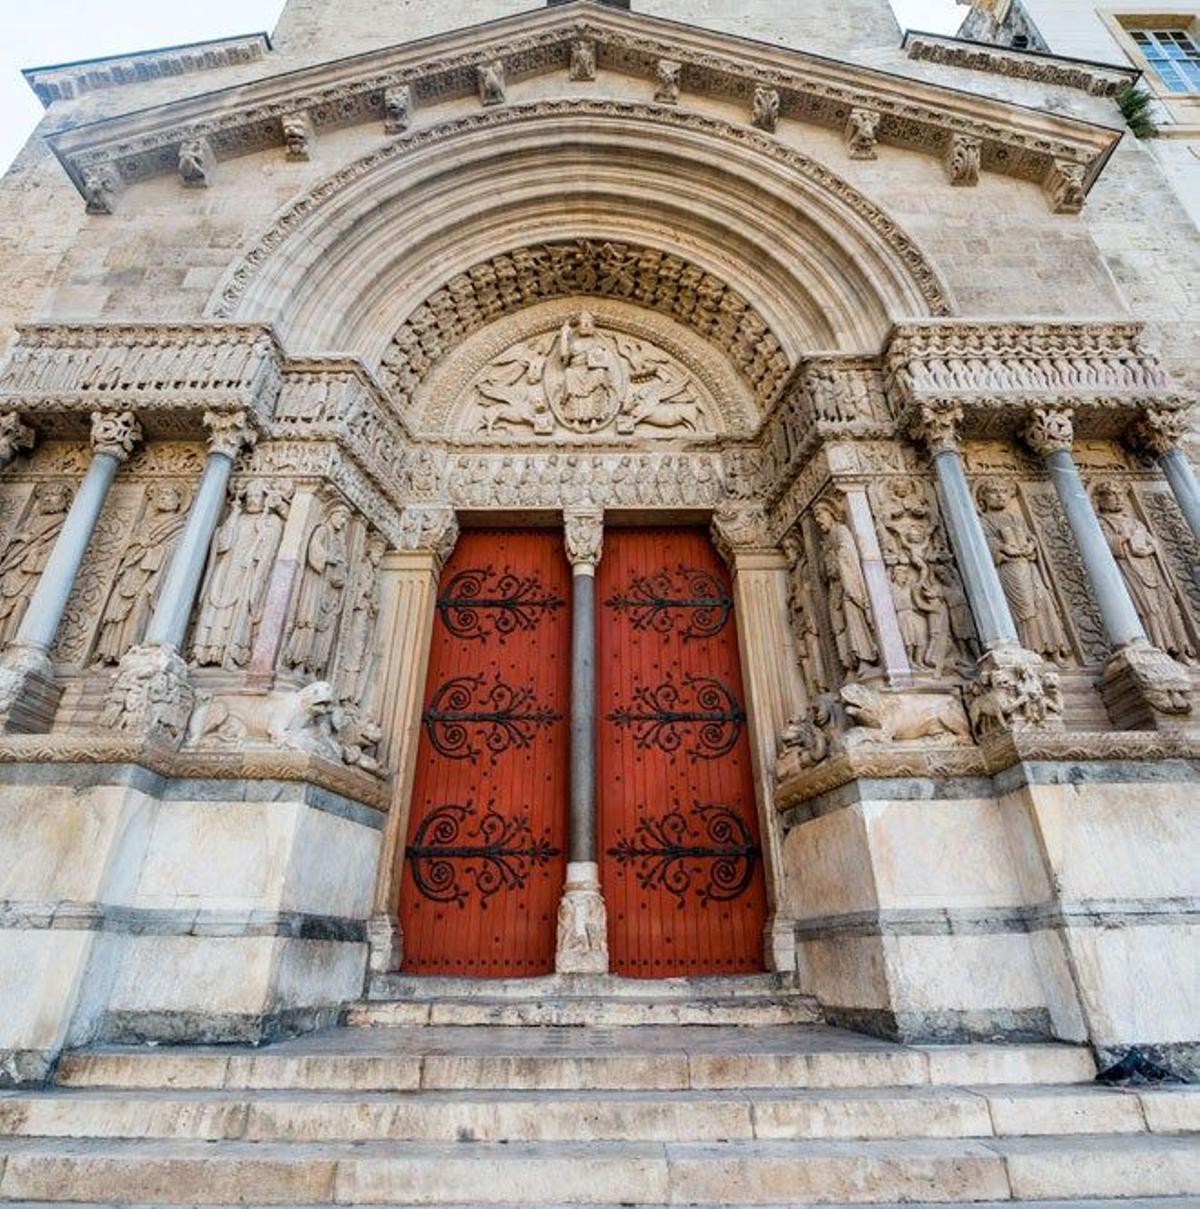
(586, 379)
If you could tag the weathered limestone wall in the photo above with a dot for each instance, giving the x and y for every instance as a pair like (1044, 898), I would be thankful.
(136, 907)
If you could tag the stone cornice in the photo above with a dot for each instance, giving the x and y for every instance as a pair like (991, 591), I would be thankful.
(103, 157)
(66, 81)
(997, 373)
(1096, 79)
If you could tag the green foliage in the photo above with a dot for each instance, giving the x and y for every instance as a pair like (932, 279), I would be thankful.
(1134, 104)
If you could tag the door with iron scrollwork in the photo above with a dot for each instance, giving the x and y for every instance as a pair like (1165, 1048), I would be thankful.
(681, 861)
(485, 858)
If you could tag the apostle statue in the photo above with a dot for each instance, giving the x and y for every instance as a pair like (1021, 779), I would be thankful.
(358, 638)
(849, 604)
(27, 553)
(239, 568)
(1015, 553)
(1137, 555)
(139, 574)
(319, 602)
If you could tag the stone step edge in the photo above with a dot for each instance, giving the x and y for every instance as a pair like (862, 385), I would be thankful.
(432, 988)
(1156, 1202)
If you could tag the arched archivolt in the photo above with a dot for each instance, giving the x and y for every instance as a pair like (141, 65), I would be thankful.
(780, 257)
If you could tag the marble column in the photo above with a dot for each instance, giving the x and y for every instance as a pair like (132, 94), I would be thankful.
(409, 586)
(1013, 687)
(152, 695)
(582, 921)
(1141, 686)
(28, 695)
(774, 697)
(1160, 432)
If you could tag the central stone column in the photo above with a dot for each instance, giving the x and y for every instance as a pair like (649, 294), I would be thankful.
(582, 920)
(1142, 686)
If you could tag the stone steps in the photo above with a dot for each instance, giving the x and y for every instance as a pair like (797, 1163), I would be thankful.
(433, 988)
(1171, 1202)
(797, 1172)
(504, 1116)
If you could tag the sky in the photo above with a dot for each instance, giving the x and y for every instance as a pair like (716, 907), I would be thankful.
(34, 33)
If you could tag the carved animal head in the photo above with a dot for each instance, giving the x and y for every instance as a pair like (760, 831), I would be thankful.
(864, 705)
(315, 700)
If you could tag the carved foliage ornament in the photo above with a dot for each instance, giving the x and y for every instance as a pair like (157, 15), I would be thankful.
(115, 433)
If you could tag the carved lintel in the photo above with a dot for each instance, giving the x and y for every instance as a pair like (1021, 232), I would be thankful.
(1065, 186)
(582, 946)
(1013, 688)
(668, 76)
(765, 114)
(1143, 688)
(584, 533)
(151, 696)
(862, 134)
(1050, 430)
(196, 163)
(101, 184)
(29, 695)
(429, 527)
(492, 84)
(15, 436)
(937, 426)
(397, 109)
(298, 136)
(964, 160)
(115, 433)
(583, 59)
(1158, 430)
(229, 432)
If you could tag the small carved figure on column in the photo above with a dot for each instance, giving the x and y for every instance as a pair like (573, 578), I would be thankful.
(1015, 553)
(243, 553)
(849, 603)
(139, 573)
(25, 558)
(1139, 558)
(914, 624)
(319, 601)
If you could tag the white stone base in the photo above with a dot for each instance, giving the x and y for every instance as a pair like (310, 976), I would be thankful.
(582, 923)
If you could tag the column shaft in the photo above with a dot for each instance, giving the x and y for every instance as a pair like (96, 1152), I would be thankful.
(985, 593)
(1182, 477)
(168, 625)
(583, 715)
(1122, 624)
(49, 600)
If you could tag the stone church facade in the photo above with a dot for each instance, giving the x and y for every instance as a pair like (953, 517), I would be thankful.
(475, 479)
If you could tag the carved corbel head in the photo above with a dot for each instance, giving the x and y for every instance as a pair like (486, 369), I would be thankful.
(15, 436)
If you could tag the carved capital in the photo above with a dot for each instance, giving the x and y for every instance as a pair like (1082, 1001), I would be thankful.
(1050, 430)
(1158, 430)
(229, 432)
(766, 109)
(115, 433)
(429, 527)
(584, 532)
(15, 436)
(740, 527)
(937, 426)
(1013, 688)
(1143, 688)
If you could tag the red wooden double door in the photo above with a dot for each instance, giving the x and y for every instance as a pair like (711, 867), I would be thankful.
(679, 847)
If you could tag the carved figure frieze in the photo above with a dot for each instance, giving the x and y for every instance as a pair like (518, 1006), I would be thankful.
(28, 550)
(319, 599)
(139, 573)
(583, 59)
(235, 586)
(862, 134)
(765, 114)
(846, 593)
(1023, 572)
(585, 379)
(1142, 565)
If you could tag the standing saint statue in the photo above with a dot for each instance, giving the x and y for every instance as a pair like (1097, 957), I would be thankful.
(358, 636)
(849, 604)
(27, 553)
(319, 602)
(1015, 553)
(1137, 555)
(139, 574)
(239, 568)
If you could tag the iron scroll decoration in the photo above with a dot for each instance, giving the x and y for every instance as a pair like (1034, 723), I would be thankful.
(672, 852)
(478, 602)
(703, 707)
(497, 853)
(691, 600)
(465, 707)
